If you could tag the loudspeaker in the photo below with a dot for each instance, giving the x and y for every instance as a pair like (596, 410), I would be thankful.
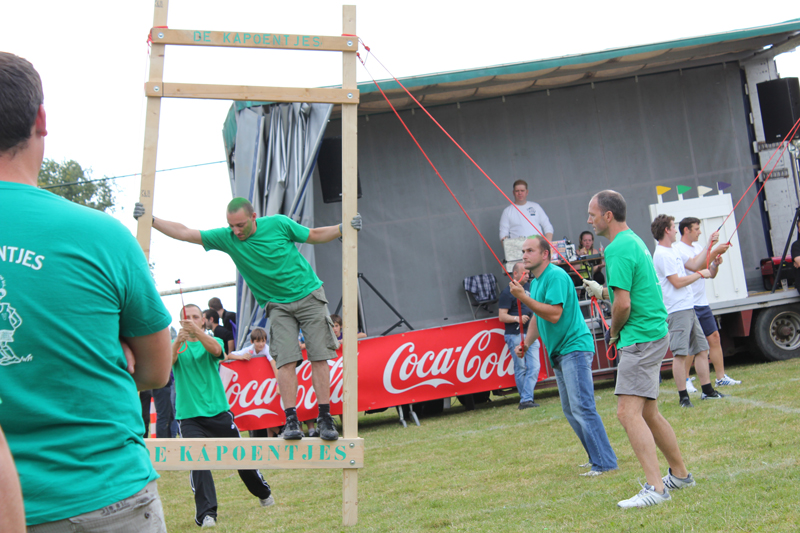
(779, 101)
(329, 164)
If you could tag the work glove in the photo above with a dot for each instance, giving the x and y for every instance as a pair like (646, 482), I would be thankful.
(593, 288)
(356, 224)
(138, 210)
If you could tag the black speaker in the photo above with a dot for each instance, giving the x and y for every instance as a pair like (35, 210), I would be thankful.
(329, 164)
(779, 101)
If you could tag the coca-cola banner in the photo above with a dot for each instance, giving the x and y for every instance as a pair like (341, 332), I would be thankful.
(394, 370)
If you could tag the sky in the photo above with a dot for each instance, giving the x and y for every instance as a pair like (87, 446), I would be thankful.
(93, 60)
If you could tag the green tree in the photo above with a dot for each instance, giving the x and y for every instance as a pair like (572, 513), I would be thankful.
(68, 180)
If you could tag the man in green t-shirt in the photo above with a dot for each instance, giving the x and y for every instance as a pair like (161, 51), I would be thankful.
(202, 409)
(281, 279)
(639, 331)
(69, 406)
(569, 345)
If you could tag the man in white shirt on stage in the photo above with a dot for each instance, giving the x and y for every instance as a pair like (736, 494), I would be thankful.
(514, 225)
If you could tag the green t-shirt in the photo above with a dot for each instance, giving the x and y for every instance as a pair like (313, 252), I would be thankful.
(269, 260)
(198, 387)
(630, 267)
(570, 333)
(73, 280)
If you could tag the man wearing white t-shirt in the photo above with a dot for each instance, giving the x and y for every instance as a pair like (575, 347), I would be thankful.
(514, 225)
(695, 256)
(685, 334)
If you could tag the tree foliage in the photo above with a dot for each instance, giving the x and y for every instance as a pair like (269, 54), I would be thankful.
(74, 184)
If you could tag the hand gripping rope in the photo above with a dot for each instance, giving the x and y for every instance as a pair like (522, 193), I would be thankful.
(519, 305)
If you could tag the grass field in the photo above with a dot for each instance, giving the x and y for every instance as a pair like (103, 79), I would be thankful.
(501, 469)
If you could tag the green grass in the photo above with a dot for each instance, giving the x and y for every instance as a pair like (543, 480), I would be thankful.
(500, 469)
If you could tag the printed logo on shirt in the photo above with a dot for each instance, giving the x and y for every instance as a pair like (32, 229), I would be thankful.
(9, 322)
(531, 210)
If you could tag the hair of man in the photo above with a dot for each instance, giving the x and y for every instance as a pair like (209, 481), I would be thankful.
(20, 97)
(520, 182)
(211, 315)
(687, 223)
(241, 204)
(613, 201)
(518, 269)
(215, 304)
(660, 226)
(542, 243)
(258, 334)
(190, 305)
(337, 320)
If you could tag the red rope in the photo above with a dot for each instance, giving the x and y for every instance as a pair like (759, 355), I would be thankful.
(783, 144)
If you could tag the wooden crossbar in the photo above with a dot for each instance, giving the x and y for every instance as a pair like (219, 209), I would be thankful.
(247, 454)
(212, 454)
(250, 93)
(239, 39)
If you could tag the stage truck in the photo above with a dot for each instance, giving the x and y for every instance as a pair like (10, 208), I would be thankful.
(697, 117)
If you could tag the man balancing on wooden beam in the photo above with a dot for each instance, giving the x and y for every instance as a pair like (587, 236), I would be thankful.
(284, 283)
(570, 346)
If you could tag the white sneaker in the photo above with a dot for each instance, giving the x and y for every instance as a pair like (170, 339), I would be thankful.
(689, 386)
(727, 380)
(267, 502)
(209, 521)
(593, 473)
(646, 497)
(586, 465)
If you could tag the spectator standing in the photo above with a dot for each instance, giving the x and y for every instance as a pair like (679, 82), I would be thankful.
(514, 225)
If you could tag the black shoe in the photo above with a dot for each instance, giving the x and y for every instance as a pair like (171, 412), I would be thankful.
(716, 395)
(327, 427)
(686, 402)
(527, 405)
(292, 431)
(313, 432)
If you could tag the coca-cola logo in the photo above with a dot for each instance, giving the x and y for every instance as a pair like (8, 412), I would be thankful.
(252, 398)
(407, 370)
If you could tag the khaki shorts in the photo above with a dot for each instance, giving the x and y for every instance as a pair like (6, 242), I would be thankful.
(639, 367)
(686, 336)
(141, 513)
(285, 321)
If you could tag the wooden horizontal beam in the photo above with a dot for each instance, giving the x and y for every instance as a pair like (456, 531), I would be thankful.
(248, 454)
(251, 93)
(239, 39)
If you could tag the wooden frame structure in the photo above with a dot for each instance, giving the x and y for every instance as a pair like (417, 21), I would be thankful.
(213, 454)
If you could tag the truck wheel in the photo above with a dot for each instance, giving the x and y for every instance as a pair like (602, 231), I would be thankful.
(777, 332)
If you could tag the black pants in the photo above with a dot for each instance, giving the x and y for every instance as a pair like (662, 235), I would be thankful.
(165, 413)
(205, 495)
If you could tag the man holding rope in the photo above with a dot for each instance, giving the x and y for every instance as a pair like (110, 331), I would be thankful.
(282, 281)
(639, 331)
(570, 346)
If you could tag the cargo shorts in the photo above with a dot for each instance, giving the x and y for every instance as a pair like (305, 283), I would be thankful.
(309, 314)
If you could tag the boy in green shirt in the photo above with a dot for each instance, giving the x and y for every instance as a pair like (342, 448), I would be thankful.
(203, 411)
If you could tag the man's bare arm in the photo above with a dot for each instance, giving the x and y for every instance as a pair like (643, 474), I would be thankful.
(620, 311)
(152, 359)
(682, 281)
(323, 234)
(12, 512)
(178, 231)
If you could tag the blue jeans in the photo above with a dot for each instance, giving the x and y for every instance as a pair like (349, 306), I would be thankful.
(574, 377)
(526, 369)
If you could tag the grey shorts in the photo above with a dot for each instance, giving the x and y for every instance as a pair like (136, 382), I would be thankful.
(686, 337)
(285, 321)
(639, 367)
(141, 512)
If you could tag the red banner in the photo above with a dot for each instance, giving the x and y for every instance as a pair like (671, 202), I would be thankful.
(409, 367)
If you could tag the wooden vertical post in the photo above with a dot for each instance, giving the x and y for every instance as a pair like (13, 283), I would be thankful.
(148, 183)
(350, 265)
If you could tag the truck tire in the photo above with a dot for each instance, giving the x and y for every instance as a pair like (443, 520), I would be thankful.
(777, 332)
